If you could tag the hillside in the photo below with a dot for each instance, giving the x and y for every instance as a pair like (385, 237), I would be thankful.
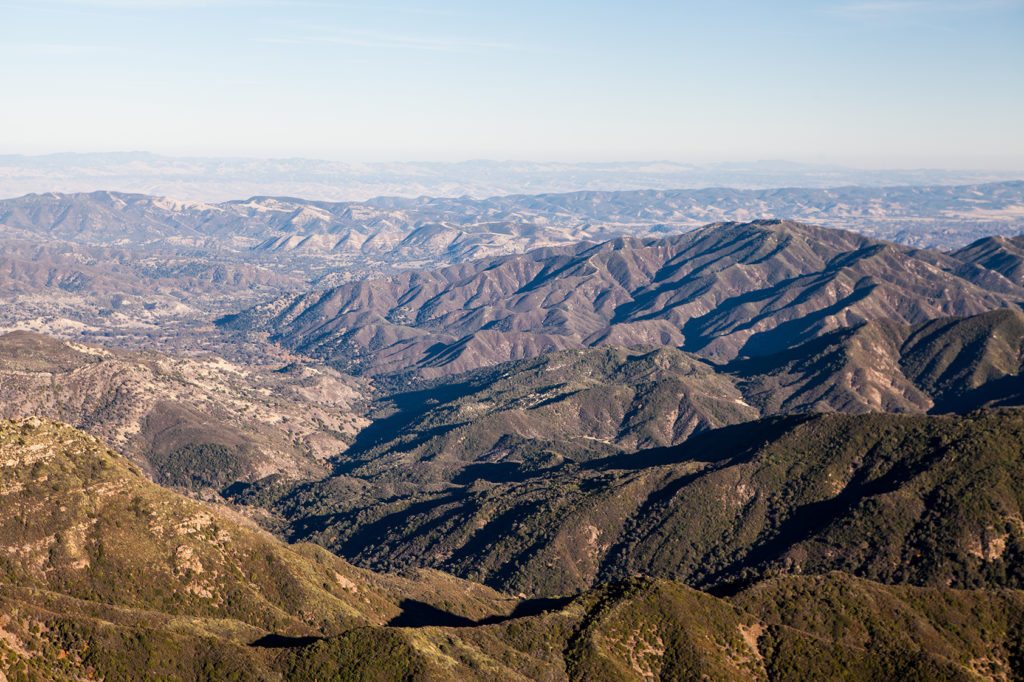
(968, 363)
(527, 415)
(943, 365)
(438, 229)
(1004, 255)
(120, 295)
(721, 292)
(104, 575)
(928, 500)
(749, 450)
(141, 271)
(537, 413)
(191, 422)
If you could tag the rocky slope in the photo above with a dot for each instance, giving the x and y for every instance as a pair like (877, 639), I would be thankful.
(191, 422)
(105, 575)
(721, 292)
(1004, 255)
(943, 365)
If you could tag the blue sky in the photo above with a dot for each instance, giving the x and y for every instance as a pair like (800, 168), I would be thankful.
(886, 83)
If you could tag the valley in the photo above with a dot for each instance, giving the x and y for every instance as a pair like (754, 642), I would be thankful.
(511, 342)
(203, 593)
(592, 436)
(134, 269)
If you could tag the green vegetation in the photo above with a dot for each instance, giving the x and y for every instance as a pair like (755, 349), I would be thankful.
(537, 413)
(199, 465)
(106, 576)
(925, 500)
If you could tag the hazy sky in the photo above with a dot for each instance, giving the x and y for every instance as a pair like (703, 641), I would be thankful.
(875, 83)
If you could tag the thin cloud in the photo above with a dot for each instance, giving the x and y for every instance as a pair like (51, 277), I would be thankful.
(53, 49)
(164, 4)
(918, 7)
(373, 40)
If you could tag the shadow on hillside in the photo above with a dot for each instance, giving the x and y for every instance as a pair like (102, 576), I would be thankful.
(408, 408)
(729, 443)
(276, 641)
(766, 364)
(417, 614)
(794, 332)
(495, 472)
(806, 522)
(1007, 391)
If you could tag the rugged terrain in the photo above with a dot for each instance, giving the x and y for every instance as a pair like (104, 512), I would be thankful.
(721, 292)
(452, 229)
(196, 422)
(151, 272)
(1004, 255)
(925, 500)
(104, 575)
(532, 414)
(748, 450)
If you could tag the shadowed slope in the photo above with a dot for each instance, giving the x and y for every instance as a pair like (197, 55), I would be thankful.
(899, 498)
(720, 291)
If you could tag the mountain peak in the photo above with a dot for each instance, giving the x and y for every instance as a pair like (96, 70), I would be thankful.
(719, 291)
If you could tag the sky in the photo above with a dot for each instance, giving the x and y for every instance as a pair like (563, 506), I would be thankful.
(883, 83)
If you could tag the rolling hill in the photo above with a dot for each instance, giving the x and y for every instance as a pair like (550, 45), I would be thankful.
(196, 423)
(104, 575)
(439, 229)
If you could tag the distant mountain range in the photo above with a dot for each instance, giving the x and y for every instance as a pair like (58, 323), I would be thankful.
(437, 230)
(590, 436)
(124, 268)
(220, 179)
(721, 292)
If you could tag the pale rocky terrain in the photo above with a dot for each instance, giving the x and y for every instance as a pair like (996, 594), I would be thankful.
(165, 412)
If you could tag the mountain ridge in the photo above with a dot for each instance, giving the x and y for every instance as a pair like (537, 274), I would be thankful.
(721, 291)
(201, 594)
(269, 222)
(728, 507)
(105, 575)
